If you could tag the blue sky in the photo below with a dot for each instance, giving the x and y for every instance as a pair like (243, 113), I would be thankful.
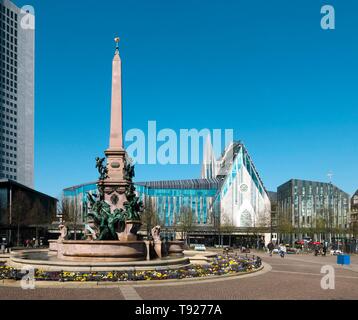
(264, 68)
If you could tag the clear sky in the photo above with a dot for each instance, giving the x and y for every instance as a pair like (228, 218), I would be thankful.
(264, 68)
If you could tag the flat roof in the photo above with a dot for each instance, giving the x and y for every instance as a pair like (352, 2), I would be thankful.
(213, 183)
(15, 183)
(312, 181)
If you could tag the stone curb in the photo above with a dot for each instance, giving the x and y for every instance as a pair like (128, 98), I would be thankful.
(142, 283)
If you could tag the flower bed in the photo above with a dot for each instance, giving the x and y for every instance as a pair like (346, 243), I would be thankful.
(220, 265)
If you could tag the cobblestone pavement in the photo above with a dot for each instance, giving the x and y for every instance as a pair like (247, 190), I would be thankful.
(292, 277)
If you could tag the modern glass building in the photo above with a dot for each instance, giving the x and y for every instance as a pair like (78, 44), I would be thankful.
(16, 96)
(309, 206)
(230, 193)
(168, 198)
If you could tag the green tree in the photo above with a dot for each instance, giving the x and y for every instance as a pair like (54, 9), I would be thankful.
(285, 228)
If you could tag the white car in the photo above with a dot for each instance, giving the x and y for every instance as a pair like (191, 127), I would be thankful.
(336, 252)
(199, 247)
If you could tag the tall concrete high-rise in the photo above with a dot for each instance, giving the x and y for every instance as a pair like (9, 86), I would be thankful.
(17, 46)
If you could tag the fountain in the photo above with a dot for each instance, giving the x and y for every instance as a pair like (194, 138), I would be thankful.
(114, 218)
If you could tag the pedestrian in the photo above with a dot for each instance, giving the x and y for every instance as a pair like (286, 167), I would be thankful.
(324, 250)
(270, 247)
(282, 250)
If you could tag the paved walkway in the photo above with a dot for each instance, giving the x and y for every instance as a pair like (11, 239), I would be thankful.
(293, 277)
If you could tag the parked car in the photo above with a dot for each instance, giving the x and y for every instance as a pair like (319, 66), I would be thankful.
(292, 250)
(199, 247)
(335, 252)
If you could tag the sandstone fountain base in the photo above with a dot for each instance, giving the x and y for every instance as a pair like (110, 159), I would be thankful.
(83, 255)
(97, 251)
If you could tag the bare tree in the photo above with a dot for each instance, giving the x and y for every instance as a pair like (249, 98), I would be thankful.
(69, 213)
(150, 217)
(227, 227)
(215, 212)
(20, 209)
(185, 222)
(38, 216)
(63, 210)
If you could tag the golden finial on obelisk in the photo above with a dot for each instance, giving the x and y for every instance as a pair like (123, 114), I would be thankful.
(116, 40)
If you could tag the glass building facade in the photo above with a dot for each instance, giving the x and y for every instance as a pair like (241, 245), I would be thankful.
(169, 197)
(308, 204)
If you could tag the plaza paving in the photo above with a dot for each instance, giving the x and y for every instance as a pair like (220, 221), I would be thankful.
(293, 277)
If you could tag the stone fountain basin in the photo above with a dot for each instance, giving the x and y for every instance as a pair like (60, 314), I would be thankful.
(116, 251)
(48, 261)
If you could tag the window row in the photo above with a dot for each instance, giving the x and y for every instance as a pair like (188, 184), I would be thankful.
(14, 141)
(9, 118)
(7, 109)
(8, 82)
(8, 154)
(7, 13)
(8, 96)
(9, 169)
(8, 37)
(8, 176)
(9, 125)
(8, 46)
(7, 147)
(8, 52)
(9, 132)
(11, 89)
(7, 161)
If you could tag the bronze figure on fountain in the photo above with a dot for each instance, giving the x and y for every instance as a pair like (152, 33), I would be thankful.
(121, 223)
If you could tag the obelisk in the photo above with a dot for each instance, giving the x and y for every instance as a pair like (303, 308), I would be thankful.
(114, 185)
(116, 136)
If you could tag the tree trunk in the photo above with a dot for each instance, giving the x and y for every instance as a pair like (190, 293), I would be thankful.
(18, 235)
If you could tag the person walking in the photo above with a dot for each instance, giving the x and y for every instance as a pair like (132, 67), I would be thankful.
(324, 250)
(270, 247)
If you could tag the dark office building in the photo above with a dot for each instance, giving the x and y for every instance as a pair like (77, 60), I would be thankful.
(317, 209)
(24, 212)
(354, 214)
